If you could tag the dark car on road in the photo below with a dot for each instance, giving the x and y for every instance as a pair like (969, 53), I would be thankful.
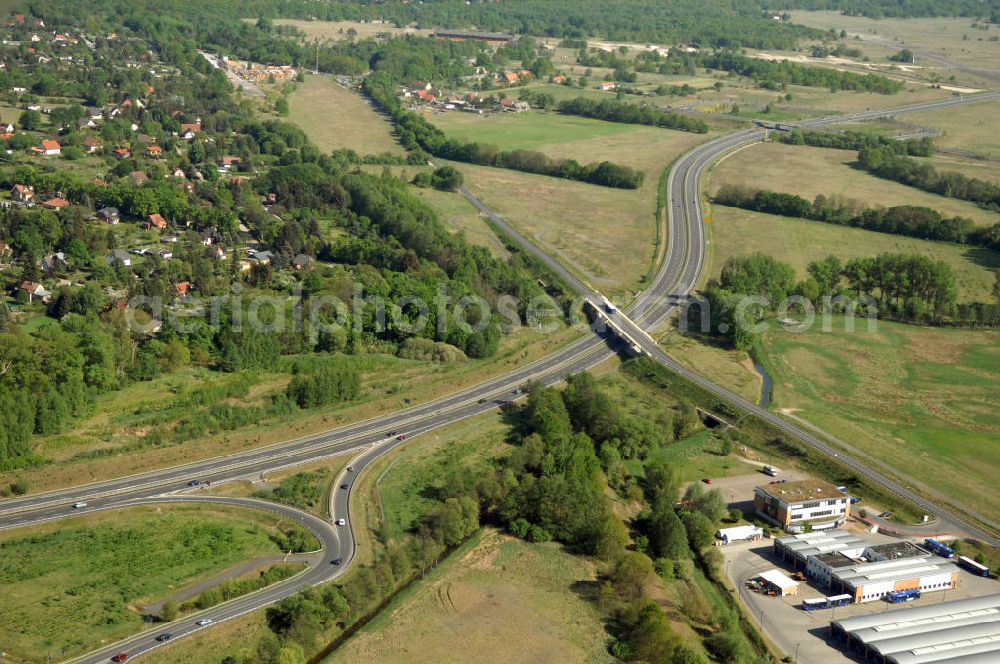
(166, 636)
(195, 483)
(336, 561)
(343, 486)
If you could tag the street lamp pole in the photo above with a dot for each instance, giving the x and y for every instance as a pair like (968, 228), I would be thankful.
(797, 653)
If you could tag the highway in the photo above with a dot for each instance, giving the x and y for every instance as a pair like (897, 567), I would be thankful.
(675, 279)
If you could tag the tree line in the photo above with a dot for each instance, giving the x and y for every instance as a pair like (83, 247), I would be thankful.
(907, 220)
(644, 114)
(856, 140)
(900, 168)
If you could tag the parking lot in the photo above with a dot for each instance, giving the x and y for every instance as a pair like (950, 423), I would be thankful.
(806, 632)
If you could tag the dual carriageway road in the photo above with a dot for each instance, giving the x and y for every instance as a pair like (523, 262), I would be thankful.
(674, 281)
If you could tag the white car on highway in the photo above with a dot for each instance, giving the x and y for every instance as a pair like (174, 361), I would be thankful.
(341, 522)
(79, 504)
(203, 622)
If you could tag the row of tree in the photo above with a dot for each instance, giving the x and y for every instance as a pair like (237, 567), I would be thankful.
(644, 114)
(775, 75)
(857, 140)
(908, 220)
(892, 166)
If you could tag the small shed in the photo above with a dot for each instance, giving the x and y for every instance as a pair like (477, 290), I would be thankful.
(780, 583)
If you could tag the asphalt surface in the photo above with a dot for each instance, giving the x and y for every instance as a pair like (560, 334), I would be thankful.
(675, 280)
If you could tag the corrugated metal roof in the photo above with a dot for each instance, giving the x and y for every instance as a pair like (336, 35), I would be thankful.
(943, 610)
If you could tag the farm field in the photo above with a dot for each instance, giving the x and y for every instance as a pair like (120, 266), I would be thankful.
(71, 585)
(800, 241)
(921, 399)
(497, 600)
(974, 127)
(808, 171)
(337, 118)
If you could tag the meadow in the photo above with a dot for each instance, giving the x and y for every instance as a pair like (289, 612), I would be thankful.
(808, 171)
(799, 241)
(337, 30)
(335, 117)
(73, 585)
(953, 39)
(607, 236)
(497, 599)
(973, 127)
(922, 400)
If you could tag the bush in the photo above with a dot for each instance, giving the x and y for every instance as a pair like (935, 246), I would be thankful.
(19, 487)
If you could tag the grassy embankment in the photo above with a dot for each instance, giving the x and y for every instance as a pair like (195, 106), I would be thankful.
(72, 585)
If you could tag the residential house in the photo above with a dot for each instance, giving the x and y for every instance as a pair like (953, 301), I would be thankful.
(417, 86)
(263, 257)
(138, 178)
(218, 253)
(34, 290)
(23, 193)
(109, 215)
(7, 128)
(49, 147)
(271, 199)
(228, 161)
(156, 221)
(521, 106)
(122, 153)
(54, 262)
(154, 151)
(164, 254)
(511, 77)
(119, 258)
(301, 262)
(178, 173)
(559, 79)
(56, 204)
(95, 113)
(507, 104)
(426, 96)
(92, 144)
(85, 123)
(183, 289)
(607, 86)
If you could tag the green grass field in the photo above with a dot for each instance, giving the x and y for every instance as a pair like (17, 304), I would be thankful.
(70, 586)
(526, 131)
(922, 400)
(808, 171)
(336, 118)
(495, 600)
(337, 30)
(461, 217)
(800, 241)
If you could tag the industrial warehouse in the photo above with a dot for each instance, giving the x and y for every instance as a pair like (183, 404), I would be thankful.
(965, 631)
(802, 506)
(846, 564)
